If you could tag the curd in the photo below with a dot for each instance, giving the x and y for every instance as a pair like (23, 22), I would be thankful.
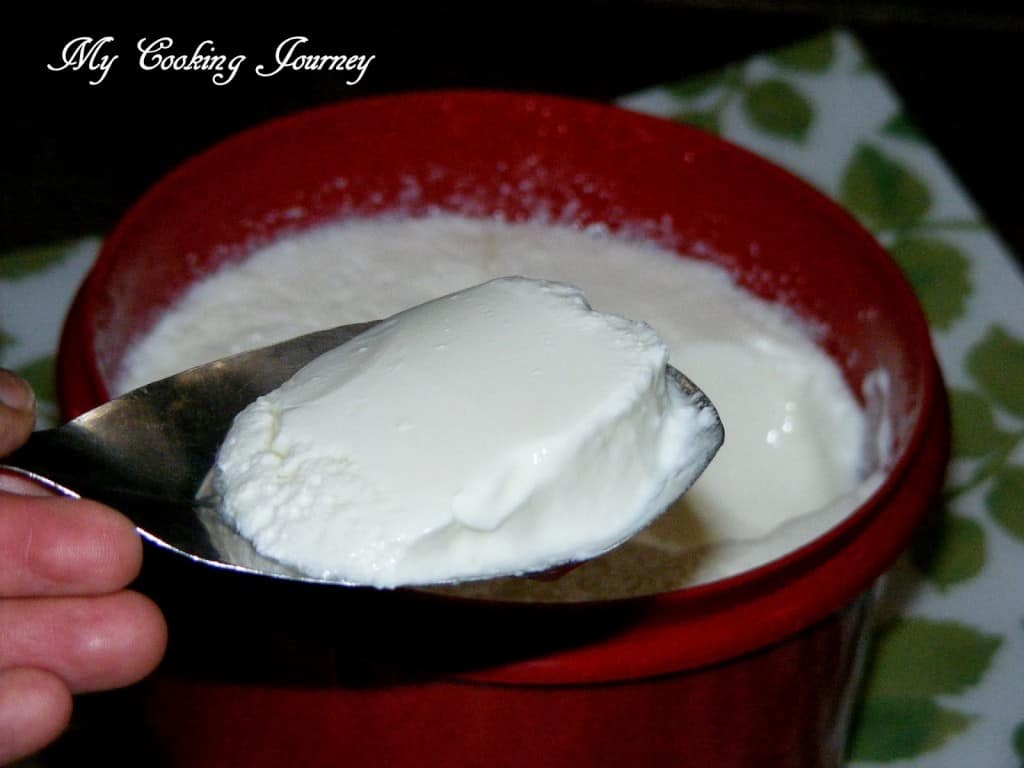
(502, 429)
(792, 465)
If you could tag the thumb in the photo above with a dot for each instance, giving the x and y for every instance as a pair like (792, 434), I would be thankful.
(17, 411)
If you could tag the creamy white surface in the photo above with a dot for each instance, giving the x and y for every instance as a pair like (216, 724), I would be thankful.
(795, 434)
(501, 429)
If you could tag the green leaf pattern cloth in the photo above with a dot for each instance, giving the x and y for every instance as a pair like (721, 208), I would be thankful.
(945, 675)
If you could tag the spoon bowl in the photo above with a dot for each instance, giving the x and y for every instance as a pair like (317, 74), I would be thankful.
(149, 452)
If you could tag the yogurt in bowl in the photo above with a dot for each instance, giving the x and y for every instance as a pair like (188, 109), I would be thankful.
(751, 669)
(794, 461)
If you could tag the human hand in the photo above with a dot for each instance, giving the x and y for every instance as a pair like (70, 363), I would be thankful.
(67, 625)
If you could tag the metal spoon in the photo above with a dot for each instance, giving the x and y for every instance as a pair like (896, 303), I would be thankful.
(149, 452)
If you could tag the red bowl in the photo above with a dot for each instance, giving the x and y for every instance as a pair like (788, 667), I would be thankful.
(756, 669)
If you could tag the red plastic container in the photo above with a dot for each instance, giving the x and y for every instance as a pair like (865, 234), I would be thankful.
(758, 669)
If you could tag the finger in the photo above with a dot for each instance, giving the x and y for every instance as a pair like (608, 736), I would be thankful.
(59, 546)
(17, 411)
(91, 643)
(35, 706)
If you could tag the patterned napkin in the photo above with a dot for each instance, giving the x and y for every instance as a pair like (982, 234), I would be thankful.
(946, 675)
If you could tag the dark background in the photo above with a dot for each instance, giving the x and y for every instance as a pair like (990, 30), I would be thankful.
(77, 155)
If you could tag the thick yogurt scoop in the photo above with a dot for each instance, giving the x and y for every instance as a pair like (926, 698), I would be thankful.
(149, 452)
(502, 429)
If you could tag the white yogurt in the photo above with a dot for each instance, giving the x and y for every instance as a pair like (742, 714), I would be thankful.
(501, 429)
(795, 433)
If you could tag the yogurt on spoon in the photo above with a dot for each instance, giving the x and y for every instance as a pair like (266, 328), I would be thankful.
(502, 429)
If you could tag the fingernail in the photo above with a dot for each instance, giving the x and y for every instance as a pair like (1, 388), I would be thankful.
(15, 392)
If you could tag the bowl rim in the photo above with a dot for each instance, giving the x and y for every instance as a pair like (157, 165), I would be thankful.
(77, 368)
